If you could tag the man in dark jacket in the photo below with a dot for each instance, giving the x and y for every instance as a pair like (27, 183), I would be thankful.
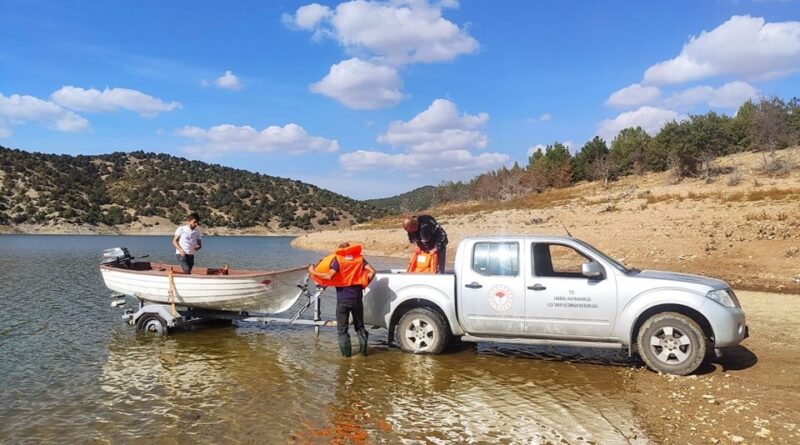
(428, 235)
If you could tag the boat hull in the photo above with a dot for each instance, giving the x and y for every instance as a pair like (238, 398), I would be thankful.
(240, 291)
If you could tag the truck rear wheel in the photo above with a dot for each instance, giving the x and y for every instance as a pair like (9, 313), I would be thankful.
(422, 331)
(671, 343)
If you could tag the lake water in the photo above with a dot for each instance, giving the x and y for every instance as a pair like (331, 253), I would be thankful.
(72, 371)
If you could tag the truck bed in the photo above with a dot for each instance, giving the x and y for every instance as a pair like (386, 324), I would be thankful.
(390, 288)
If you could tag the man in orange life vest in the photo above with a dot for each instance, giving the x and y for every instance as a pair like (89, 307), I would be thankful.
(350, 273)
(429, 237)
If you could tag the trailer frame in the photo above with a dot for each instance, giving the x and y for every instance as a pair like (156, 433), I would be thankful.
(160, 319)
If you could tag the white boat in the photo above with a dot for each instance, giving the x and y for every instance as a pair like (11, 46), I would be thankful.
(266, 292)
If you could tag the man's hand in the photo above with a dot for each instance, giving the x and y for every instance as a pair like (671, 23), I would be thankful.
(183, 254)
(311, 269)
(433, 251)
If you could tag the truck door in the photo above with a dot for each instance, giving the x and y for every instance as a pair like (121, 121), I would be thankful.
(560, 301)
(492, 289)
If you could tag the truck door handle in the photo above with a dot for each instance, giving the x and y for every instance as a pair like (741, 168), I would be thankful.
(474, 285)
(537, 286)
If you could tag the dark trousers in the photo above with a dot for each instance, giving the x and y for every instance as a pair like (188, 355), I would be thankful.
(186, 262)
(343, 310)
(441, 255)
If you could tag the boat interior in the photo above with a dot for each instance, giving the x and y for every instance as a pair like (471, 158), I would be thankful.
(149, 268)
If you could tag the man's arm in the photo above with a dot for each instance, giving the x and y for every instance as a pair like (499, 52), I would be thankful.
(199, 245)
(442, 243)
(371, 271)
(324, 275)
(177, 245)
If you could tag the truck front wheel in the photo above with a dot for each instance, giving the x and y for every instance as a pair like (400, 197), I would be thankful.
(422, 331)
(671, 343)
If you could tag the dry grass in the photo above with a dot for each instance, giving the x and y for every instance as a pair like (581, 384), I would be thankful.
(773, 194)
(666, 197)
(756, 216)
(735, 178)
(546, 199)
(387, 222)
(776, 165)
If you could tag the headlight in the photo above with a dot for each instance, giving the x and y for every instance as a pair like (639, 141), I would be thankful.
(724, 297)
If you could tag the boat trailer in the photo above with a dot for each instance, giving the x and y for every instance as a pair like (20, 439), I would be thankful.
(159, 319)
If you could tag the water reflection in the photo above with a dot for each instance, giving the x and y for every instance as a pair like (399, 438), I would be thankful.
(73, 372)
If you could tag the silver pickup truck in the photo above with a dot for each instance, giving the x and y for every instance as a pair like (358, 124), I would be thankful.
(557, 291)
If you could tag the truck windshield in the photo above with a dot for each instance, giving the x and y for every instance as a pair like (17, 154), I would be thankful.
(616, 264)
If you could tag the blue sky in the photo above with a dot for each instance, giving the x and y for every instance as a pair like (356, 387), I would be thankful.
(369, 98)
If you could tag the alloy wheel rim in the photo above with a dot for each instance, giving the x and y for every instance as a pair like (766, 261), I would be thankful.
(671, 345)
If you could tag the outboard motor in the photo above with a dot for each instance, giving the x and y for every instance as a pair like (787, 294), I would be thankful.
(117, 255)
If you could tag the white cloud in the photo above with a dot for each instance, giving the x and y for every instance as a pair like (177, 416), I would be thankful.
(290, 138)
(535, 148)
(439, 139)
(651, 119)
(307, 17)
(744, 46)
(546, 117)
(111, 99)
(382, 37)
(399, 32)
(229, 81)
(729, 95)
(361, 85)
(440, 127)
(435, 161)
(17, 109)
(634, 95)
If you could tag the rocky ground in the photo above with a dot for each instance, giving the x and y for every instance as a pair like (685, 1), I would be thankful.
(747, 396)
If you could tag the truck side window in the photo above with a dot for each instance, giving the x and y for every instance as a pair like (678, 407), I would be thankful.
(496, 258)
(556, 260)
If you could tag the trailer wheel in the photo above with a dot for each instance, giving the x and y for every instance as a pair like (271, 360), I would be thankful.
(151, 324)
(671, 343)
(422, 331)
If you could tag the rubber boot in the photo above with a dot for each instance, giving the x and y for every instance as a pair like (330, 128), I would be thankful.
(362, 341)
(345, 347)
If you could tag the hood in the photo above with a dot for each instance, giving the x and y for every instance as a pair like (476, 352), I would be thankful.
(695, 281)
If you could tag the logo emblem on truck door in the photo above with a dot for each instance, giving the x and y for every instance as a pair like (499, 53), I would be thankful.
(501, 297)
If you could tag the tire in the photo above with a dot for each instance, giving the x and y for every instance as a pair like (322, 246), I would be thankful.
(422, 331)
(152, 324)
(671, 343)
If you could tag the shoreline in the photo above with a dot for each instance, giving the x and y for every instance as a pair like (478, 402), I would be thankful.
(84, 230)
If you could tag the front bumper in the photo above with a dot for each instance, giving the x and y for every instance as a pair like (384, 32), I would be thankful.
(730, 330)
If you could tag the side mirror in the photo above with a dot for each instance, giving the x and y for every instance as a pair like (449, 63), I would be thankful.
(593, 270)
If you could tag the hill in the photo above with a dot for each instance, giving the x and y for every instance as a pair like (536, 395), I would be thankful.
(741, 226)
(147, 189)
(418, 199)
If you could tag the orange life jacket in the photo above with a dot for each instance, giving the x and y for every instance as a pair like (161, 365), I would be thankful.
(422, 262)
(351, 268)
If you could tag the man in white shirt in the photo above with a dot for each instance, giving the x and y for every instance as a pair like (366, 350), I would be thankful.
(187, 242)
